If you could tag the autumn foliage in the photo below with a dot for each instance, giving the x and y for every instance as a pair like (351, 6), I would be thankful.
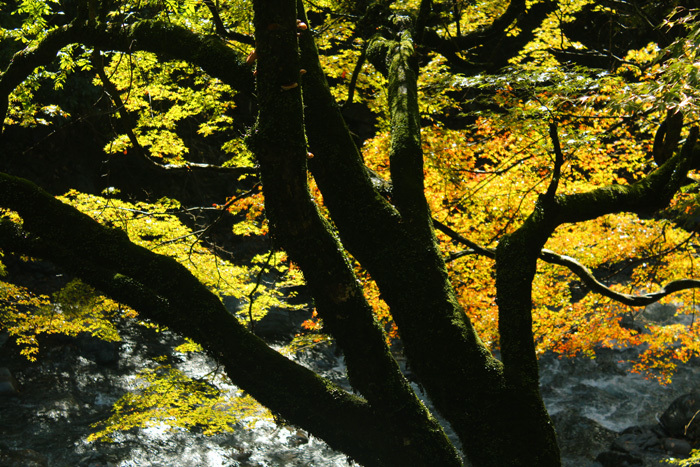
(497, 140)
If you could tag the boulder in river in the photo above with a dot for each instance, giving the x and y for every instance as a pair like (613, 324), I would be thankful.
(8, 384)
(21, 458)
(682, 418)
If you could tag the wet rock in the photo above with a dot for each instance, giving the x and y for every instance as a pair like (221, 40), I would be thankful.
(681, 419)
(579, 436)
(637, 439)
(22, 458)
(98, 350)
(619, 459)
(64, 394)
(659, 312)
(8, 384)
(677, 447)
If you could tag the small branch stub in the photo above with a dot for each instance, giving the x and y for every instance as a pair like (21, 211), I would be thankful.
(251, 57)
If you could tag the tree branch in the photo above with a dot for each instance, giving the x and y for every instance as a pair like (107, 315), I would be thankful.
(222, 30)
(164, 291)
(474, 247)
(279, 143)
(355, 74)
(589, 279)
(585, 274)
(558, 162)
(442, 347)
(517, 254)
(396, 59)
(647, 195)
(490, 45)
(667, 136)
(165, 39)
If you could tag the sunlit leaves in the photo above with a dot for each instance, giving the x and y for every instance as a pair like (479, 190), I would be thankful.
(171, 99)
(488, 157)
(23, 110)
(35, 15)
(252, 209)
(157, 227)
(167, 396)
(73, 310)
(16, 307)
(482, 181)
(537, 53)
(668, 79)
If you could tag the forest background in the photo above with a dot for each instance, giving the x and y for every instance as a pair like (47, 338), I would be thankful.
(560, 134)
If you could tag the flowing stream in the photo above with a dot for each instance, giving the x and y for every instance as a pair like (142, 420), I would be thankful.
(76, 381)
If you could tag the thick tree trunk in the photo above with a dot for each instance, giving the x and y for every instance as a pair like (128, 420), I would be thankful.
(398, 248)
(516, 265)
(534, 439)
(279, 143)
(164, 291)
(494, 407)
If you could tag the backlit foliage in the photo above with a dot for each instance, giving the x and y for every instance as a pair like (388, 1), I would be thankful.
(157, 227)
(483, 180)
(166, 396)
(73, 310)
(172, 96)
(488, 156)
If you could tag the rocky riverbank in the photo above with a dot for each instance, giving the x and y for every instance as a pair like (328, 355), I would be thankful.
(605, 415)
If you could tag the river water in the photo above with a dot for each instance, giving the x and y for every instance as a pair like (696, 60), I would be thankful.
(67, 390)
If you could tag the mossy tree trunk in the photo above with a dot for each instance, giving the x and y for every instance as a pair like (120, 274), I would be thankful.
(494, 406)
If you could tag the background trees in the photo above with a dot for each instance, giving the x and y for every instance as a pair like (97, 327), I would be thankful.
(521, 187)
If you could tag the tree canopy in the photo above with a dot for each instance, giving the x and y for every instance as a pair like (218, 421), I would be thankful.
(468, 183)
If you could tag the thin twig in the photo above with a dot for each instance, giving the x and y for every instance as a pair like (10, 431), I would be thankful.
(355, 73)
(577, 268)
(558, 162)
(251, 298)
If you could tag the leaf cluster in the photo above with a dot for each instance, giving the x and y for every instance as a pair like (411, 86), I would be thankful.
(166, 396)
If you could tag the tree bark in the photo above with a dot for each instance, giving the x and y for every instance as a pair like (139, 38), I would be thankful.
(164, 291)
(516, 265)
(461, 376)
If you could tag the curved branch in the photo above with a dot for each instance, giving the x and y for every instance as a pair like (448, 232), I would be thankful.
(594, 284)
(222, 30)
(585, 274)
(165, 39)
(166, 292)
(491, 45)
